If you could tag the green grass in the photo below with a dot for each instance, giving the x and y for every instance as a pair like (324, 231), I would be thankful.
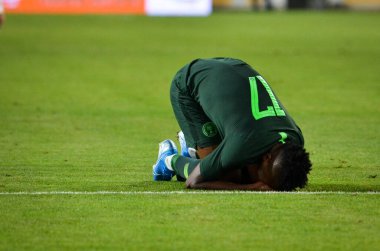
(84, 102)
(199, 222)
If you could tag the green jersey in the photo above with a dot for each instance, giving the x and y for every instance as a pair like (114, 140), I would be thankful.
(243, 112)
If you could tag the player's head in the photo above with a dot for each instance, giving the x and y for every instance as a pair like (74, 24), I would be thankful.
(285, 167)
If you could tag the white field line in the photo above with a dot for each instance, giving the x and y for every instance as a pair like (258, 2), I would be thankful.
(185, 192)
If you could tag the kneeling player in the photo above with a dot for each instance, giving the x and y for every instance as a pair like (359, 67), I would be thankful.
(238, 134)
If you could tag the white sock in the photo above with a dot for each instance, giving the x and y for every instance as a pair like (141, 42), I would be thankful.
(168, 162)
(192, 152)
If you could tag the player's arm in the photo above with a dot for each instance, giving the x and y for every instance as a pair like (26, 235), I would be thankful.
(196, 181)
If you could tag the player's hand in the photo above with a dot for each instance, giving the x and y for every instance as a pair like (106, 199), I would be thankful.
(261, 186)
(195, 178)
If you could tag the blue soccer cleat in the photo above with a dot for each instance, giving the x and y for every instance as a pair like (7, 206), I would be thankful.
(186, 151)
(160, 171)
(182, 142)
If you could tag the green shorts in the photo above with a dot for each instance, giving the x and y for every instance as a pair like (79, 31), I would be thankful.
(198, 129)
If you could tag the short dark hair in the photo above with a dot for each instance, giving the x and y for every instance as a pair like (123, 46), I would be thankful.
(294, 166)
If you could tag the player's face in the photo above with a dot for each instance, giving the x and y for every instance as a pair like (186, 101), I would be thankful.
(268, 169)
(265, 173)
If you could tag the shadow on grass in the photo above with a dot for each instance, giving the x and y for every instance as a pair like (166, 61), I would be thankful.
(175, 186)
(343, 187)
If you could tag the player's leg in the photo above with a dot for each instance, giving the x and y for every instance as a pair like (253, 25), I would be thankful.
(202, 152)
(199, 153)
(200, 133)
(197, 128)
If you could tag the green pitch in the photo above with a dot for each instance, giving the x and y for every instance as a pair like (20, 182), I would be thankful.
(84, 103)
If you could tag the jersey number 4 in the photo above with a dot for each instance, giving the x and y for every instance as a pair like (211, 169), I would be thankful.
(271, 111)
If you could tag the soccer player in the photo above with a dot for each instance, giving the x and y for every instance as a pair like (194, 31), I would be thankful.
(2, 16)
(236, 133)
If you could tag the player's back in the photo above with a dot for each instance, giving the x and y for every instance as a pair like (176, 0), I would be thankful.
(236, 98)
(221, 86)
